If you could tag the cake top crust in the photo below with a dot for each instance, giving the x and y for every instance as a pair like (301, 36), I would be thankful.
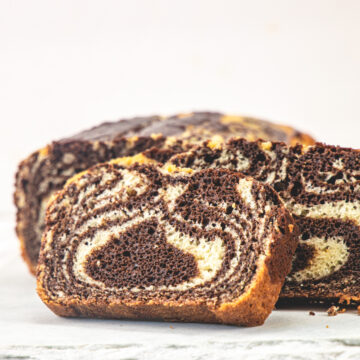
(194, 126)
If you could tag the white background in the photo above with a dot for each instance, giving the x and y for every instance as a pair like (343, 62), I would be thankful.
(66, 65)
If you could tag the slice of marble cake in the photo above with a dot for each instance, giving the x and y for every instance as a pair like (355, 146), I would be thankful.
(47, 169)
(320, 186)
(143, 242)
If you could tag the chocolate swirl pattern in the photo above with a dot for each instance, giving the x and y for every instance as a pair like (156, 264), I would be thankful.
(145, 242)
(320, 186)
(46, 170)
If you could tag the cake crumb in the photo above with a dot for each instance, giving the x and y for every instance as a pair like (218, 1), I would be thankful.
(327, 326)
(358, 309)
(311, 313)
(215, 143)
(171, 327)
(345, 298)
(266, 145)
(333, 310)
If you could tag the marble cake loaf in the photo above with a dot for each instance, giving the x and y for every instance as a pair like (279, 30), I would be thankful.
(143, 242)
(46, 170)
(320, 186)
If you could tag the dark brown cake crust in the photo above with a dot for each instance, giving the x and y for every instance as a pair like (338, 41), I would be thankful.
(197, 125)
(46, 170)
(320, 185)
(172, 227)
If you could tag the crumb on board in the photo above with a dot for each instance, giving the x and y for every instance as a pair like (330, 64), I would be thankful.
(333, 310)
(358, 309)
(311, 313)
(327, 326)
(171, 327)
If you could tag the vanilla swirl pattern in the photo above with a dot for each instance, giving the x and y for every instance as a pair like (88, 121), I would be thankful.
(149, 234)
(320, 185)
(47, 170)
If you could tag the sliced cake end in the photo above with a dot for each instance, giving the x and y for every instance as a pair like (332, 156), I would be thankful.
(165, 243)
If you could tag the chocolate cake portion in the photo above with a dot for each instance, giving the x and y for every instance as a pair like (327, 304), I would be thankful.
(320, 186)
(47, 169)
(138, 241)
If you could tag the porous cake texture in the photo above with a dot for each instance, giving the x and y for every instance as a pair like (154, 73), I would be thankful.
(131, 240)
(47, 169)
(320, 186)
